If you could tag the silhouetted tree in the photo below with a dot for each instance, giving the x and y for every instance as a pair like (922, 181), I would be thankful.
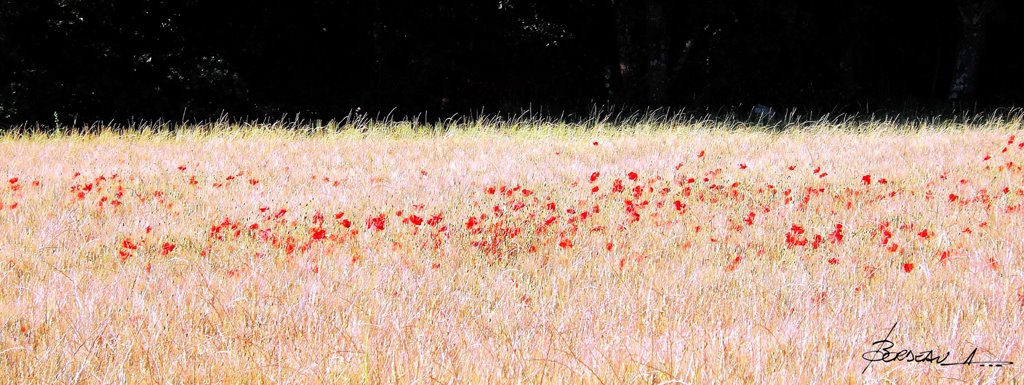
(973, 23)
(148, 59)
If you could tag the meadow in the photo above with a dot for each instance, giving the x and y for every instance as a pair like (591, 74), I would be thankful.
(690, 252)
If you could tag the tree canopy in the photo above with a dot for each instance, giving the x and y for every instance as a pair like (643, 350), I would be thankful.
(151, 59)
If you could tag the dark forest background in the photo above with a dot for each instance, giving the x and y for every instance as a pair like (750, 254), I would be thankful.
(88, 60)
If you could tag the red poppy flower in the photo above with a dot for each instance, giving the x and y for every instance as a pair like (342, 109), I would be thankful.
(565, 244)
(376, 222)
(318, 234)
(749, 220)
(167, 248)
(617, 186)
(550, 220)
(837, 235)
(415, 220)
(128, 244)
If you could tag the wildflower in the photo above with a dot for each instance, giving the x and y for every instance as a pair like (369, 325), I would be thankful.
(376, 223)
(128, 244)
(416, 220)
(749, 220)
(565, 244)
(617, 186)
(837, 235)
(167, 248)
(318, 234)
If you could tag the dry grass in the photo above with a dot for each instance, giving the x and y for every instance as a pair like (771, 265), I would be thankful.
(89, 295)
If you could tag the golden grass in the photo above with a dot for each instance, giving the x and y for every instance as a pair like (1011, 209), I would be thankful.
(89, 295)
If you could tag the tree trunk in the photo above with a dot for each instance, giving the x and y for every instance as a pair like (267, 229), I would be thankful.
(657, 53)
(378, 43)
(628, 56)
(973, 14)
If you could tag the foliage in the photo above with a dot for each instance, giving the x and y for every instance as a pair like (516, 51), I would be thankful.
(148, 59)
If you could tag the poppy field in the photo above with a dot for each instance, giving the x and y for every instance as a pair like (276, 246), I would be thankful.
(681, 253)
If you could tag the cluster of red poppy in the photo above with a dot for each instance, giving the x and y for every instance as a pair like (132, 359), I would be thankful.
(601, 213)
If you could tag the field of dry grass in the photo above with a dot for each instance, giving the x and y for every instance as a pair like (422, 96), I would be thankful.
(692, 253)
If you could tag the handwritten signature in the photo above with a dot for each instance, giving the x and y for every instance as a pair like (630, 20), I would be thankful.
(884, 352)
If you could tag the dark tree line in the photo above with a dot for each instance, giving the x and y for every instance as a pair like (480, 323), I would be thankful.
(146, 59)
